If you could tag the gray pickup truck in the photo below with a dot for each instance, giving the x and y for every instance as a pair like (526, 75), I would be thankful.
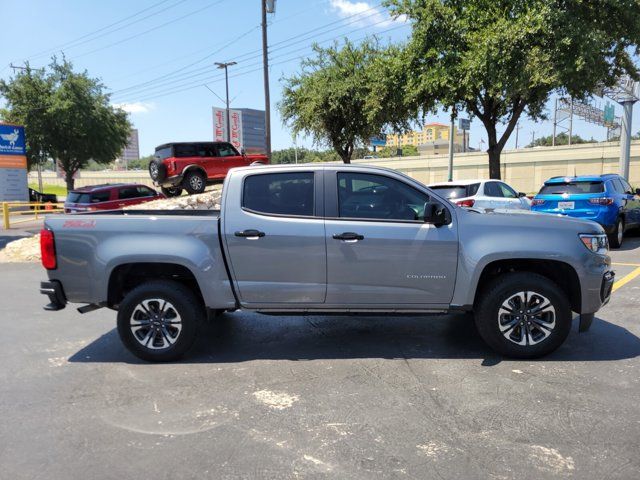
(328, 239)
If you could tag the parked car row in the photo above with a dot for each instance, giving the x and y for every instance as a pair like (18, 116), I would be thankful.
(605, 199)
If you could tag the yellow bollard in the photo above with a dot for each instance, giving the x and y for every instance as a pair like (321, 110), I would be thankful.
(5, 215)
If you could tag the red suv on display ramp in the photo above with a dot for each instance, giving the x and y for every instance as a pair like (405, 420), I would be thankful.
(194, 165)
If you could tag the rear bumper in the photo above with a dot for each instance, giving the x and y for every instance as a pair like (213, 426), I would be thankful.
(57, 299)
(170, 181)
(603, 215)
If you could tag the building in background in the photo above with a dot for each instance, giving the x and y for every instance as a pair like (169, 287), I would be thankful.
(130, 152)
(432, 139)
(247, 128)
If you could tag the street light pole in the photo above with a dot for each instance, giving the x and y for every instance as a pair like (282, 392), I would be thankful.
(265, 67)
(226, 81)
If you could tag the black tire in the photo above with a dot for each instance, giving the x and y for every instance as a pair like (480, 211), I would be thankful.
(157, 171)
(547, 330)
(617, 236)
(165, 341)
(194, 182)
(171, 191)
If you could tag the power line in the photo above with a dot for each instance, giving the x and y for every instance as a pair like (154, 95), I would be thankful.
(183, 75)
(74, 43)
(150, 30)
(240, 72)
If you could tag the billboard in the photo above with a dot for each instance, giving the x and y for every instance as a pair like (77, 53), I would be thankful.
(13, 164)
(220, 126)
(464, 124)
(379, 141)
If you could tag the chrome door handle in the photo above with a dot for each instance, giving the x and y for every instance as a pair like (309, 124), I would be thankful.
(250, 234)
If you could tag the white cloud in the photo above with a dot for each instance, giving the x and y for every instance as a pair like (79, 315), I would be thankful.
(135, 107)
(362, 13)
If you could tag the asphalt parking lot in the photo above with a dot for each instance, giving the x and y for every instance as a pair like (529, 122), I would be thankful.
(316, 397)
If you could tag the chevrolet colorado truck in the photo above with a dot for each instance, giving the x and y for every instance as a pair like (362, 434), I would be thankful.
(328, 239)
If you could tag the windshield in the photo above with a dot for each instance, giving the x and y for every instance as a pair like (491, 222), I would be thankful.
(572, 187)
(457, 191)
(78, 197)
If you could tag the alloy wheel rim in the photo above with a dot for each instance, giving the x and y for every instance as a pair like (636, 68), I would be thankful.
(620, 232)
(196, 182)
(526, 318)
(154, 170)
(155, 323)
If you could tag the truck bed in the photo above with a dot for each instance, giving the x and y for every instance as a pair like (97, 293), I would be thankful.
(131, 212)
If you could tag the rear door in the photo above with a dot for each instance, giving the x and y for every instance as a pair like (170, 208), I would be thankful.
(274, 234)
(380, 252)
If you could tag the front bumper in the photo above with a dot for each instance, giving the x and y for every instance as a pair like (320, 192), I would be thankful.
(57, 299)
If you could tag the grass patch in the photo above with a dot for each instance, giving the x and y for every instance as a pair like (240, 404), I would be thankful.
(54, 189)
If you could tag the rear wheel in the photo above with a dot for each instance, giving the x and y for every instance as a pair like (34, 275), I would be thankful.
(171, 191)
(616, 237)
(523, 315)
(157, 321)
(194, 182)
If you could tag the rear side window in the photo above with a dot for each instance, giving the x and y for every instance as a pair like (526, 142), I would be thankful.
(188, 150)
(625, 186)
(103, 196)
(279, 193)
(457, 191)
(572, 188)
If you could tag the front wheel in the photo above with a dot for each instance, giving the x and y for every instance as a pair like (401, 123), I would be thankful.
(157, 321)
(616, 237)
(523, 315)
(194, 182)
(171, 191)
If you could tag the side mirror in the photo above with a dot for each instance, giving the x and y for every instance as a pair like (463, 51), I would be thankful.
(243, 151)
(522, 194)
(435, 213)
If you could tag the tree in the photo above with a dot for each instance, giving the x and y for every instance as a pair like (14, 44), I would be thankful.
(68, 116)
(332, 99)
(28, 97)
(561, 139)
(498, 60)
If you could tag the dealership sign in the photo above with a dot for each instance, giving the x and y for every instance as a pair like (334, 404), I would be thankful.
(220, 126)
(13, 163)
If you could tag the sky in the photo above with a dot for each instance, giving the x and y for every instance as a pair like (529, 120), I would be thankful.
(156, 57)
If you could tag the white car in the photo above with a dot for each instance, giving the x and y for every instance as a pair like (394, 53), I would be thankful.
(489, 194)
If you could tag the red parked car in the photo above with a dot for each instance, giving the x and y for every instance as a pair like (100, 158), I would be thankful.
(194, 165)
(110, 196)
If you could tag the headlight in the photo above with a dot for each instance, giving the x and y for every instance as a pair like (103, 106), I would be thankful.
(597, 243)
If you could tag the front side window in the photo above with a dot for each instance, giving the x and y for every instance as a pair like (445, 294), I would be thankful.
(492, 189)
(128, 193)
(363, 195)
(145, 192)
(104, 196)
(279, 193)
(507, 191)
(226, 150)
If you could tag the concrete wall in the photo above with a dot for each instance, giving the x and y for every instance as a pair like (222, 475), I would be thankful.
(525, 169)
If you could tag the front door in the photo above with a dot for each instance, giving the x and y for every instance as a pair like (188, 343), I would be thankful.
(380, 252)
(274, 234)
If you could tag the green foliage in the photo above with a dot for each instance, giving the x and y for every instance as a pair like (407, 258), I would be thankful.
(407, 151)
(500, 59)
(67, 116)
(334, 99)
(561, 139)
(288, 155)
(141, 163)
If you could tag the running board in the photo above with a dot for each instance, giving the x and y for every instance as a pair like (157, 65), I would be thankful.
(348, 311)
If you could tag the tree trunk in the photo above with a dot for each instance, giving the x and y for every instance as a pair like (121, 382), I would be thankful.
(494, 163)
(69, 180)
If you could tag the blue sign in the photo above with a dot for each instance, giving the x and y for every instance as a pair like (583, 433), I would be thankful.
(12, 140)
(464, 124)
(379, 141)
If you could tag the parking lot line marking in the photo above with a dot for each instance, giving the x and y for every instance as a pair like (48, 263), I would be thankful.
(626, 279)
(627, 264)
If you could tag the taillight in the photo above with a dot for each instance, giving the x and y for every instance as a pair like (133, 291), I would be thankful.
(466, 203)
(48, 249)
(536, 201)
(601, 201)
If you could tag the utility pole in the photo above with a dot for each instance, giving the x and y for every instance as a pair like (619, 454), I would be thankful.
(555, 123)
(518, 127)
(38, 166)
(451, 133)
(265, 66)
(225, 66)
(533, 138)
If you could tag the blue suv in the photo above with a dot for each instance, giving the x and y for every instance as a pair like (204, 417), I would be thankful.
(606, 199)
